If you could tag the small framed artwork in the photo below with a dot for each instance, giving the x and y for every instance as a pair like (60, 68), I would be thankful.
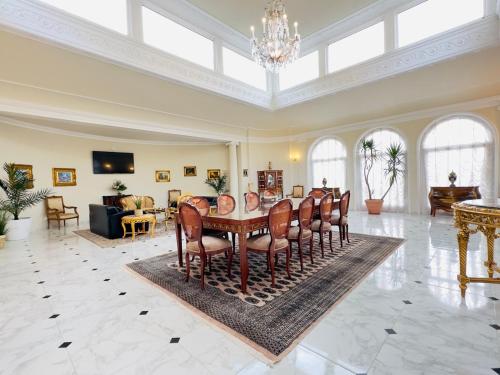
(64, 176)
(213, 173)
(28, 169)
(336, 193)
(190, 171)
(162, 176)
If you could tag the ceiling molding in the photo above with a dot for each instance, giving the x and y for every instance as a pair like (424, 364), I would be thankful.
(472, 37)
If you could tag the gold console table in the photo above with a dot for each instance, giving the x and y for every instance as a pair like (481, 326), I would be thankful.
(474, 216)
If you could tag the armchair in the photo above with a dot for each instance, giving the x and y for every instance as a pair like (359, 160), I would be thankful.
(56, 211)
(128, 203)
(297, 192)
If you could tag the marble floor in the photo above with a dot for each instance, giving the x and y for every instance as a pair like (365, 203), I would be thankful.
(69, 307)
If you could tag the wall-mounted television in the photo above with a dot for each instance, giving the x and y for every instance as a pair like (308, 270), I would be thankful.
(112, 162)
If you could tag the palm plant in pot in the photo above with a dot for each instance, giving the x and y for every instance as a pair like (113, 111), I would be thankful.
(4, 218)
(218, 184)
(18, 198)
(394, 170)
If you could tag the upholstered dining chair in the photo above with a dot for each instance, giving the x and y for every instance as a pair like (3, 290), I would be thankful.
(303, 233)
(252, 201)
(225, 204)
(317, 193)
(280, 216)
(200, 245)
(341, 220)
(201, 203)
(323, 225)
(56, 211)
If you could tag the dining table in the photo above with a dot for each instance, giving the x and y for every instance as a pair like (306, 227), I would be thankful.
(241, 222)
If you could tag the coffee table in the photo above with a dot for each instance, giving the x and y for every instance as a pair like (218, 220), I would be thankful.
(139, 219)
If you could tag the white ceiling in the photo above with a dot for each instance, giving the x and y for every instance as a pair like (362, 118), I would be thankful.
(311, 15)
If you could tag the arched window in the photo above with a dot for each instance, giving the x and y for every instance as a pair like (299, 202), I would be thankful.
(379, 182)
(462, 144)
(328, 160)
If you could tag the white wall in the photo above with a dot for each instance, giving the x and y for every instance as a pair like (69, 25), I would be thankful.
(46, 151)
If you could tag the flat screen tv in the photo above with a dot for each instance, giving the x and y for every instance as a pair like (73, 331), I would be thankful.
(112, 162)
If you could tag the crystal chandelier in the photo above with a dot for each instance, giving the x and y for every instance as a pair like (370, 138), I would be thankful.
(276, 49)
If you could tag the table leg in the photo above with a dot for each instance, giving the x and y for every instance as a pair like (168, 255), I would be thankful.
(490, 263)
(242, 242)
(463, 241)
(153, 226)
(133, 231)
(178, 236)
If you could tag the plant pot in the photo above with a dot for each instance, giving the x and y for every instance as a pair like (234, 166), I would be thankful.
(2, 241)
(374, 206)
(138, 212)
(18, 229)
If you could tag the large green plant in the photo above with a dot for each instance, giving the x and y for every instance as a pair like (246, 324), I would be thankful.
(394, 158)
(15, 187)
(4, 218)
(218, 184)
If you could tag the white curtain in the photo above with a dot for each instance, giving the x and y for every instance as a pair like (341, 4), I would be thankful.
(328, 160)
(461, 144)
(379, 182)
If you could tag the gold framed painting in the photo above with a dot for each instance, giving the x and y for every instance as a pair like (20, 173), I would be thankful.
(28, 169)
(64, 176)
(190, 171)
(213, 173)
(162, 176)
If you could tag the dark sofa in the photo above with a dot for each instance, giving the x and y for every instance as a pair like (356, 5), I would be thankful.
(106, 220)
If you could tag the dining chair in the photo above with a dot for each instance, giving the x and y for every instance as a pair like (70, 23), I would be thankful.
(252, 201)
(323, 225)
(317, 193)
(199, 244)
(275, 242)
(341, 220)
(226, 204)
(303, 233)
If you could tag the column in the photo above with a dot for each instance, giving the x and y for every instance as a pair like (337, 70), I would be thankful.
(390, 31)
(134, 12)
(233, 171)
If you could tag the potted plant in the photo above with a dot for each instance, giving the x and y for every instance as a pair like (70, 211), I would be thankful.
(394, 157)
(119, 187)
(218, 184)
(3, 227)
(138, 205)
(15, 187)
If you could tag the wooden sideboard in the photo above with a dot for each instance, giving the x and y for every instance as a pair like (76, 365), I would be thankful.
(113, 200)
(441, 198)
(270, 180)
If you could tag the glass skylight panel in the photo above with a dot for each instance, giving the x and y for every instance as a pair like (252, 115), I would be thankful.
(245, 70)
(110, 13)
(302, 70)
(356, 48)
(169, 36)
(435, 16)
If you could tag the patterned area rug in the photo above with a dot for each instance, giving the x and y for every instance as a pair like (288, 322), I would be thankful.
(103, 242)
(271, 319)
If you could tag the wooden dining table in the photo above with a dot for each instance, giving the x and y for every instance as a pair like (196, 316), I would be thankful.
(240, 222)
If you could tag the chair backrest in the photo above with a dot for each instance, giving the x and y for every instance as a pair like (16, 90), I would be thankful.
(184, 198)
(173, 195)
(326, 207)
(54, 203)
(147, 202)
(280, 217)
(191, 222)
(252, 201)
(306, 211)
(298, 191)
(201, 203)
(128, 203)
(317, 193)
(225, 204)
(344, 203)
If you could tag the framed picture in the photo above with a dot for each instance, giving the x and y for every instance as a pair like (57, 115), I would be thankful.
(245, 172)
(213, 173)
(190, 171)
(162, 176)
(28, 169)
(64, 176)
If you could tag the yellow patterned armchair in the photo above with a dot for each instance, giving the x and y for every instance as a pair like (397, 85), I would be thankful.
(128, 203)
(57, 211)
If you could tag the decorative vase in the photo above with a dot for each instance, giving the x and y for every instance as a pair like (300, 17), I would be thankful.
(18, 229)
(2, 241)
(138, 212)
(324, 182)
(452, 177)
(374, 206)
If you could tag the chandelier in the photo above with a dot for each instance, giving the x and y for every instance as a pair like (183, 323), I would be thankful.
(276, 49)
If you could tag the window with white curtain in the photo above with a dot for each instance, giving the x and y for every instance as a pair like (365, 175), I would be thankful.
(461, 144)
(110, 13)
(328, 160)
(167, 35)
(395, 200)
(435, 16)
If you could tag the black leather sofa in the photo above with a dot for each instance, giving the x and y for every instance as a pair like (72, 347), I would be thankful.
(106, 221)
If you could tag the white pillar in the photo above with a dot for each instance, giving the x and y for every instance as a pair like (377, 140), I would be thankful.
(390, 32)
(233, 171)
(135, 19)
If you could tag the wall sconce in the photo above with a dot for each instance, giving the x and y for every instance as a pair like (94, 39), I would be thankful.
(294, 157)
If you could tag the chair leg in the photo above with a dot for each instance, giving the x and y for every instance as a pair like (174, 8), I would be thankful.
(271, 265)
(48, 224)
(188, 267)
(64, 222)
(210, 263)
(59, 223)
(229, 264)
(300, 255)
(77, 221)
(268, 263)
(321, 241)
(203, 262)
(288, 255)
(311, 242)
(330, 235)
(340, 236)
(234, 241)
(346, 229)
